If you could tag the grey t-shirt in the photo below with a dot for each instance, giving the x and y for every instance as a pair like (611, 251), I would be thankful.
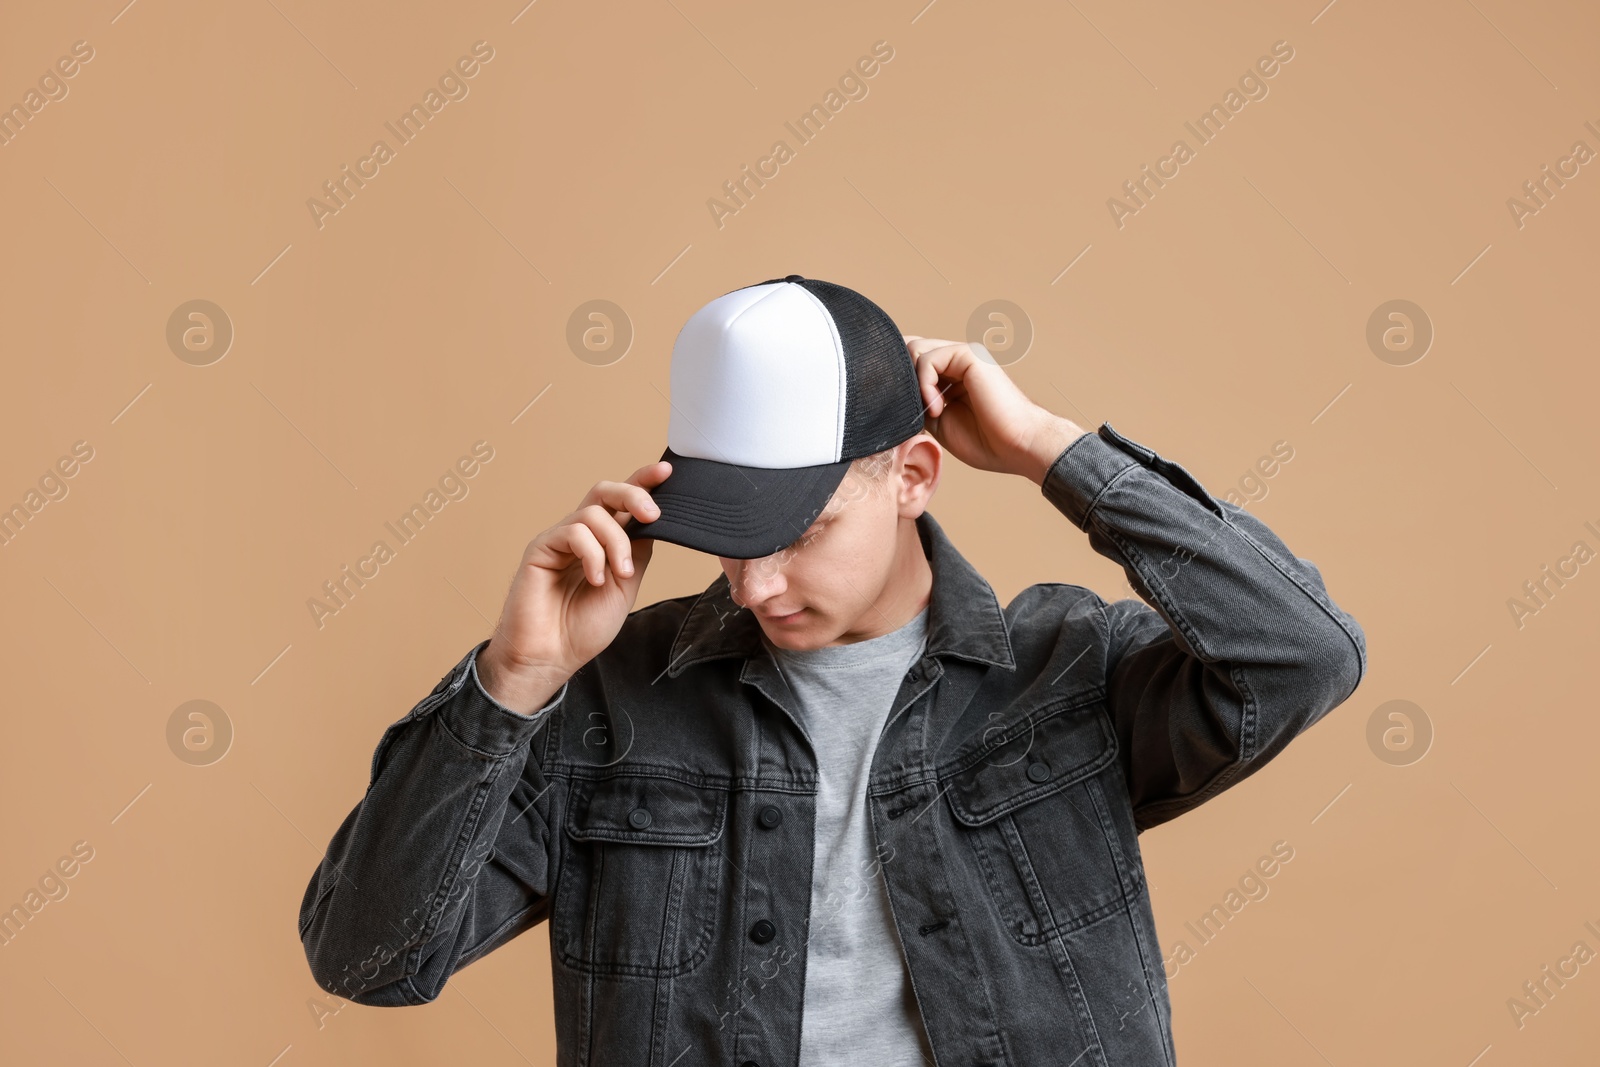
(859, 1006)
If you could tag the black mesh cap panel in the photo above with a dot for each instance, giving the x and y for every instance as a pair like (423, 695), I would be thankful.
(884, 404)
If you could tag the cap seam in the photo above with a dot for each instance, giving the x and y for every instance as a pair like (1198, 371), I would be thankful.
(839, 413)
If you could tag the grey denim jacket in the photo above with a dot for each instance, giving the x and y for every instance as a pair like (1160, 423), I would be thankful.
(659, 811)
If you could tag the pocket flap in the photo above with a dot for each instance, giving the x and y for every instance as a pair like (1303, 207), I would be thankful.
(647, 811)
(1030, 760)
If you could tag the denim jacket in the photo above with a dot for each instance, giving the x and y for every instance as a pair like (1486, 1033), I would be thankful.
(658, 812)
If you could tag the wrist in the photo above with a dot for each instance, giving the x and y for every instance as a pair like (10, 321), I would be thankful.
(1049, 439)
(523, 687)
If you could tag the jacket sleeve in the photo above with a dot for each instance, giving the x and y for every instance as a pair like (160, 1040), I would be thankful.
(445, 858)
(1236, 646)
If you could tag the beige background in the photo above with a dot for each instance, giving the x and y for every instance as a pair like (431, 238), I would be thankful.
(1228, 314)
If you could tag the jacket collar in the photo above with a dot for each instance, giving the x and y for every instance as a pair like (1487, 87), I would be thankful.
(964, 618)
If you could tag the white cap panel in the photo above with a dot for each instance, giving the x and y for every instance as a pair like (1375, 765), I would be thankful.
(758, 380)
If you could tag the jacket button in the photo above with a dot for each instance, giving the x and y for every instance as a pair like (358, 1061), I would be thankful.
(638, 818)
(763, 931)
(1038, 772)
(769, 817)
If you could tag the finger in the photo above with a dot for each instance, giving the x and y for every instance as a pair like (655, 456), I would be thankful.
(642, 550)
(930, 366)
(609, 533)
(928, 383)
(651, 474)
(578, 541)
(648, 477)
(624, 499)
(951, 360)
(918, 345)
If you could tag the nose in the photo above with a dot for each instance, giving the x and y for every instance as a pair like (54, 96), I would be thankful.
(755, 581)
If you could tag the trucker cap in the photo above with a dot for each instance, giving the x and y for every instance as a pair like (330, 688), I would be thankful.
(776, 388)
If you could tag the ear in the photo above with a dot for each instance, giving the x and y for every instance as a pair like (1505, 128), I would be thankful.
(921, 462)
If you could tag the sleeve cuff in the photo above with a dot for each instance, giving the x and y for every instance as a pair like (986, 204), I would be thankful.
(1084, 470)
(1090, 465)
(483, 723)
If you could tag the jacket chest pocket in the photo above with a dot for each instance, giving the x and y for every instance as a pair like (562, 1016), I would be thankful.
(638, 888)
(1034, 808)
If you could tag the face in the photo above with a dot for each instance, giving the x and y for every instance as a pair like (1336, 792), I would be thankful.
(851, 575)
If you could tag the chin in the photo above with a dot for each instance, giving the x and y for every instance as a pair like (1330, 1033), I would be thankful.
(788, 639)
(793, 638)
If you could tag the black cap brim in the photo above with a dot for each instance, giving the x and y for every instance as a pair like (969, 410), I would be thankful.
(737, 512)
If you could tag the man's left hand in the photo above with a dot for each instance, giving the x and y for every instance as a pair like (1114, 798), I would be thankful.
(973, 408)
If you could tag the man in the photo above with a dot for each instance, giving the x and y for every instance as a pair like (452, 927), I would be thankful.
(840, 807)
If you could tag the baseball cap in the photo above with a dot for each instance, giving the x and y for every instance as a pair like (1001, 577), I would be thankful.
(776, 388)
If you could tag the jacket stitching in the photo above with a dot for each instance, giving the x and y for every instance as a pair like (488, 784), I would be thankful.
(1248, 705)
(1031, 719)
(440, 901)
(1014, 923)
(1052, 937)
(1319, 600)
(486, 944)
(1135, 559)
(316, 906)
(637, 769)
(1138, 935)
(706, 854)
(658, 1012)
(1064, 778)
(1012, 846)
(1171, 807)
(1088, 512)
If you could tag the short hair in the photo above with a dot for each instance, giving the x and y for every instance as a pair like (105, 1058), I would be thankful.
(873, 470)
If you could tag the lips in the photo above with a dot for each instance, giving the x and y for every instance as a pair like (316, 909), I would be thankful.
(789, 617)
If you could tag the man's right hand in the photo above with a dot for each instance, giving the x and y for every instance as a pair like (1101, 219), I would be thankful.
(576, 584)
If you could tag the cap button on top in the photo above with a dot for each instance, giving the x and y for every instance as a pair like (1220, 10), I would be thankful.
(794, 278)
